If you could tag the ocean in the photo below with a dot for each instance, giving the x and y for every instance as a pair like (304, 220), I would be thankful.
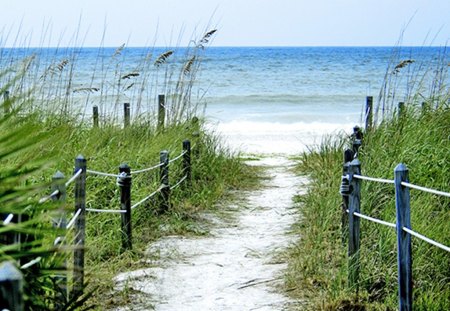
(285, 99)
(259, 99)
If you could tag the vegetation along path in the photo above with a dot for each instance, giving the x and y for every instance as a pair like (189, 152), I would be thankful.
(237, 266)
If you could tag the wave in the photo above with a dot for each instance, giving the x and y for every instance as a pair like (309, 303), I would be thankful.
(274, 137)
(283, 98)
(274, 128)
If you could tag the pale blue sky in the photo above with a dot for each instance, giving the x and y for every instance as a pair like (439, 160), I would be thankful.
(240, 22)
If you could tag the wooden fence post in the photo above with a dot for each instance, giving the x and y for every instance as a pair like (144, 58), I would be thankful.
(164, 180)
(354, 232)
(80, 226)
(11, 287)
(161, 111)
(95, 115)
(60, 223)
(357, 137)
(369, 113)
(187, 171)
(345, 192)
(126, 115)
(124, 181)
(404, 259)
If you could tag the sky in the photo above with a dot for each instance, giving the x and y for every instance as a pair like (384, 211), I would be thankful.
(239, 22)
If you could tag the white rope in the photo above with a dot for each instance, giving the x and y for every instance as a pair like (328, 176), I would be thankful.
(178, 183)
(147, 197)
(8, 219)
(72, 221)
(147, 169)
(418, 235)
(442, 193)
(380, 180)
(174, 159)
(45, 199)
(111, 211)
(381, 222)
(101, 173)
(57, 240)
(33, 262)
(75, 176)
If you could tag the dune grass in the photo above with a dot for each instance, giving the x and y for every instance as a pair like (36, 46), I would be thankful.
(46, 123)
(318, 261)
(58, 139)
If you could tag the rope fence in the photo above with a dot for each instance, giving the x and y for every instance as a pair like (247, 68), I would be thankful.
(31, 263)
(178, 157)
(109, 211)
(350, 190)
(73, 178)
(147, 169)
(424, 238)
(8, 219)
(124, 182)
(77, 222)
(408, 185)
(380, 180)
(49, 197)
(74, 218)
(147, 197)
(98, 173)
(101, 173)
(178, 183)
(432, 191)
(379, 221)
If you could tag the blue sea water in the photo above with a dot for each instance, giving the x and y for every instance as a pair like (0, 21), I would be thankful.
(265, 99)
(281, 99)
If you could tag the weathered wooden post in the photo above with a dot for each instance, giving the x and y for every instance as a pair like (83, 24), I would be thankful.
(95, 115)
(164, 180)
(404, 259)
(126, 115)
(80, 227)
(345, 192)
(354, 231)
(124, 182)
(401, 110)
(187, 162)
(369, 113)
(161, 111)
(60, 223)
(11, 287)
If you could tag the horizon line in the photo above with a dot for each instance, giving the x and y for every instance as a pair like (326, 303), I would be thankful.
(228, 46)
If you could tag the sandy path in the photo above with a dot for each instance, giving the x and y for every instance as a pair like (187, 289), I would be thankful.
(233, 268)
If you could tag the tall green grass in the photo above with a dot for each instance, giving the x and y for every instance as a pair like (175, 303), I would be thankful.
(215, 170)
(44, 127)
(69, 80)
(318, 266)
